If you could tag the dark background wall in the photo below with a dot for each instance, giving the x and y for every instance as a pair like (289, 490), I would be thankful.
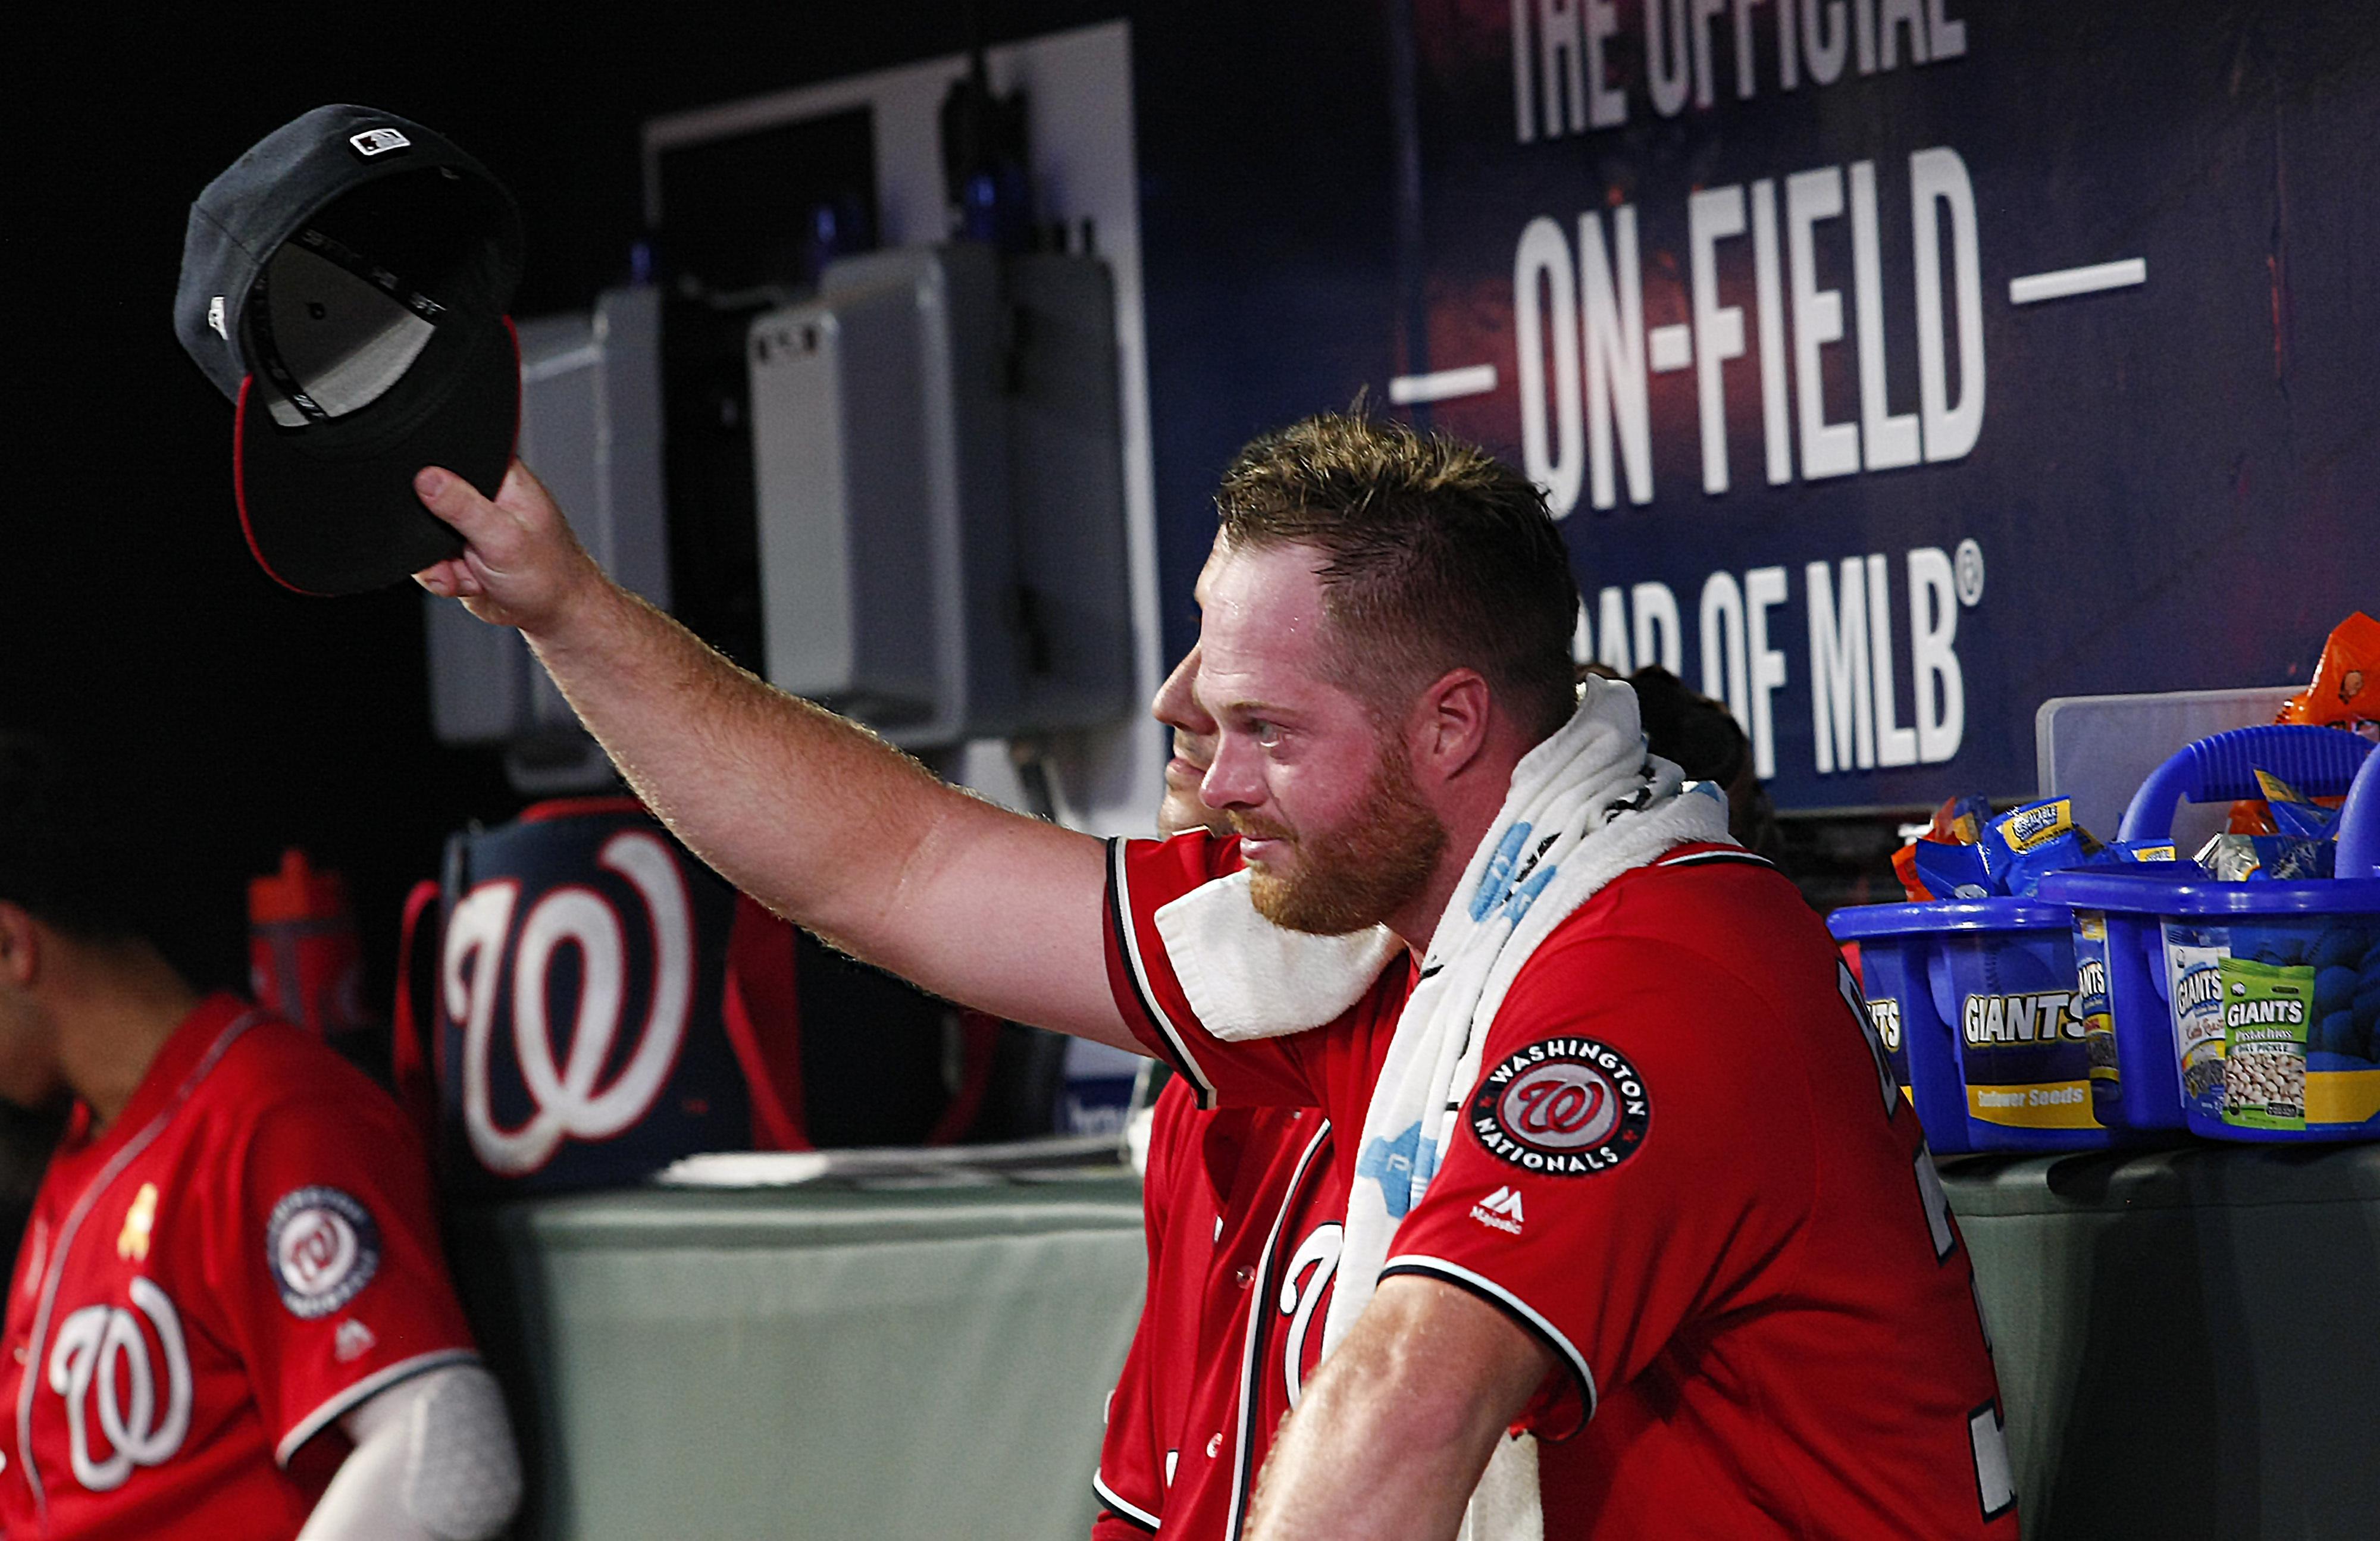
(230, 717)
(2175, 483)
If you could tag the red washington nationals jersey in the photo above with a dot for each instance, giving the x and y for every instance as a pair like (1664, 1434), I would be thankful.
(1686, 1170)
(244, 1254)
(1244, 1209)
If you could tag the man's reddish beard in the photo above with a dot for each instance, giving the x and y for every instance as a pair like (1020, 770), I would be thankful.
(1360, 873)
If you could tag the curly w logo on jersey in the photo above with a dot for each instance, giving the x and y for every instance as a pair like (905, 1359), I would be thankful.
(126, 1405)
(1562, 1108)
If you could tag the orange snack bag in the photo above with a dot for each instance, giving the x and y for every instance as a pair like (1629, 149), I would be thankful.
(2344, 693)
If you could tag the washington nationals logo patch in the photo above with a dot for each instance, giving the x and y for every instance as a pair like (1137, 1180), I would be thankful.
(1562, 1108)
(323, 1248)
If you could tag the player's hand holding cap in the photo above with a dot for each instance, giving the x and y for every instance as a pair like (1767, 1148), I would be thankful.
(345, 283)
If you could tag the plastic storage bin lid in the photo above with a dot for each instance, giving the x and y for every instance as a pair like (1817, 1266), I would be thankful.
(2146, 893)
(1860, 922)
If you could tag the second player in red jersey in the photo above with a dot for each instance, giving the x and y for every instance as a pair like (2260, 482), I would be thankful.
(1242, 1211)
(229, 1315)
(1231, 1329)
(243, 1256)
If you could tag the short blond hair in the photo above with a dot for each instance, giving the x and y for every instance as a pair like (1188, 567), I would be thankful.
(1436, 555)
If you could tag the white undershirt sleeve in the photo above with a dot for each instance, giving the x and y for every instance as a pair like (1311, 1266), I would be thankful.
(433, 1460)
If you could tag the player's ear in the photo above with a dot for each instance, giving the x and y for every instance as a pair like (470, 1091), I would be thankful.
(1450, 722)
(21, 946)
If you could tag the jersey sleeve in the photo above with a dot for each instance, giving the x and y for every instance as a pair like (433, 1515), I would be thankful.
(327, 1263)
(1143, 877)
(1131, 1477)
(1603, 1183)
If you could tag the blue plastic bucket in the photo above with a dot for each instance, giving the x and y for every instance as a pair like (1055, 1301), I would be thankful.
(1893, 967)
(2121, 982)
(2252, 1010)
(1985, 994)
(1892, 990)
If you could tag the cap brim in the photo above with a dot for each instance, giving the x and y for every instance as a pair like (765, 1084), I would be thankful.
(326, 515)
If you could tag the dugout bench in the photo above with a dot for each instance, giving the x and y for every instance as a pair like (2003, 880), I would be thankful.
(2188, 1343)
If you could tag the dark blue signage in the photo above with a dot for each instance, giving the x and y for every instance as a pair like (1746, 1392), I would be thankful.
(1899, 364)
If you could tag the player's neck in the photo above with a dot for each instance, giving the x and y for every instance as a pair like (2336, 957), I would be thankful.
(1468, 806)
(1417, 922)
(115, 1005)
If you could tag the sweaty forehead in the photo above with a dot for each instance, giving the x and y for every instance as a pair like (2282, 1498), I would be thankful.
(1261, 630)
(1260, 598)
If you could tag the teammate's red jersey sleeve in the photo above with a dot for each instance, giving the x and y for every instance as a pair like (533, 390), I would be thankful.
(1143, 878)
(330, 1273)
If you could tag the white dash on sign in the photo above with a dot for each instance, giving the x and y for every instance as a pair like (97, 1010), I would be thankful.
(1475, 380)
(2035, 286)
(1673, 346)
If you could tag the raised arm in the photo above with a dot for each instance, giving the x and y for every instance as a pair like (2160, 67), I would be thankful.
(812, 815)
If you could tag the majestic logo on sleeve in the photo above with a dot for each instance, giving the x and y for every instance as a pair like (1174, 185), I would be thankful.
(353, 1341)
(101, 1365)
(1563, 1108)
(323, 1248)
(1501, 1211)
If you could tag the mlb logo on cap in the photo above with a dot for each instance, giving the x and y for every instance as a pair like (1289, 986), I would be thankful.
(345, 283)
(377, 141)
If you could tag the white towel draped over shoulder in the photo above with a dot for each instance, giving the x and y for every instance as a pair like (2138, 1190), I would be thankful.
(1249, 978)
(1586, 805)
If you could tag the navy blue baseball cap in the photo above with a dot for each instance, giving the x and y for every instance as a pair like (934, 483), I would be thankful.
(345, 283)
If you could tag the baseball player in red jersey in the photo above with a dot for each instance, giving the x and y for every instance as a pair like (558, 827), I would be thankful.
(1763, 1344)
(229, 1316)
(1385, 649)
(1242, 1209)
(1181, 1447)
